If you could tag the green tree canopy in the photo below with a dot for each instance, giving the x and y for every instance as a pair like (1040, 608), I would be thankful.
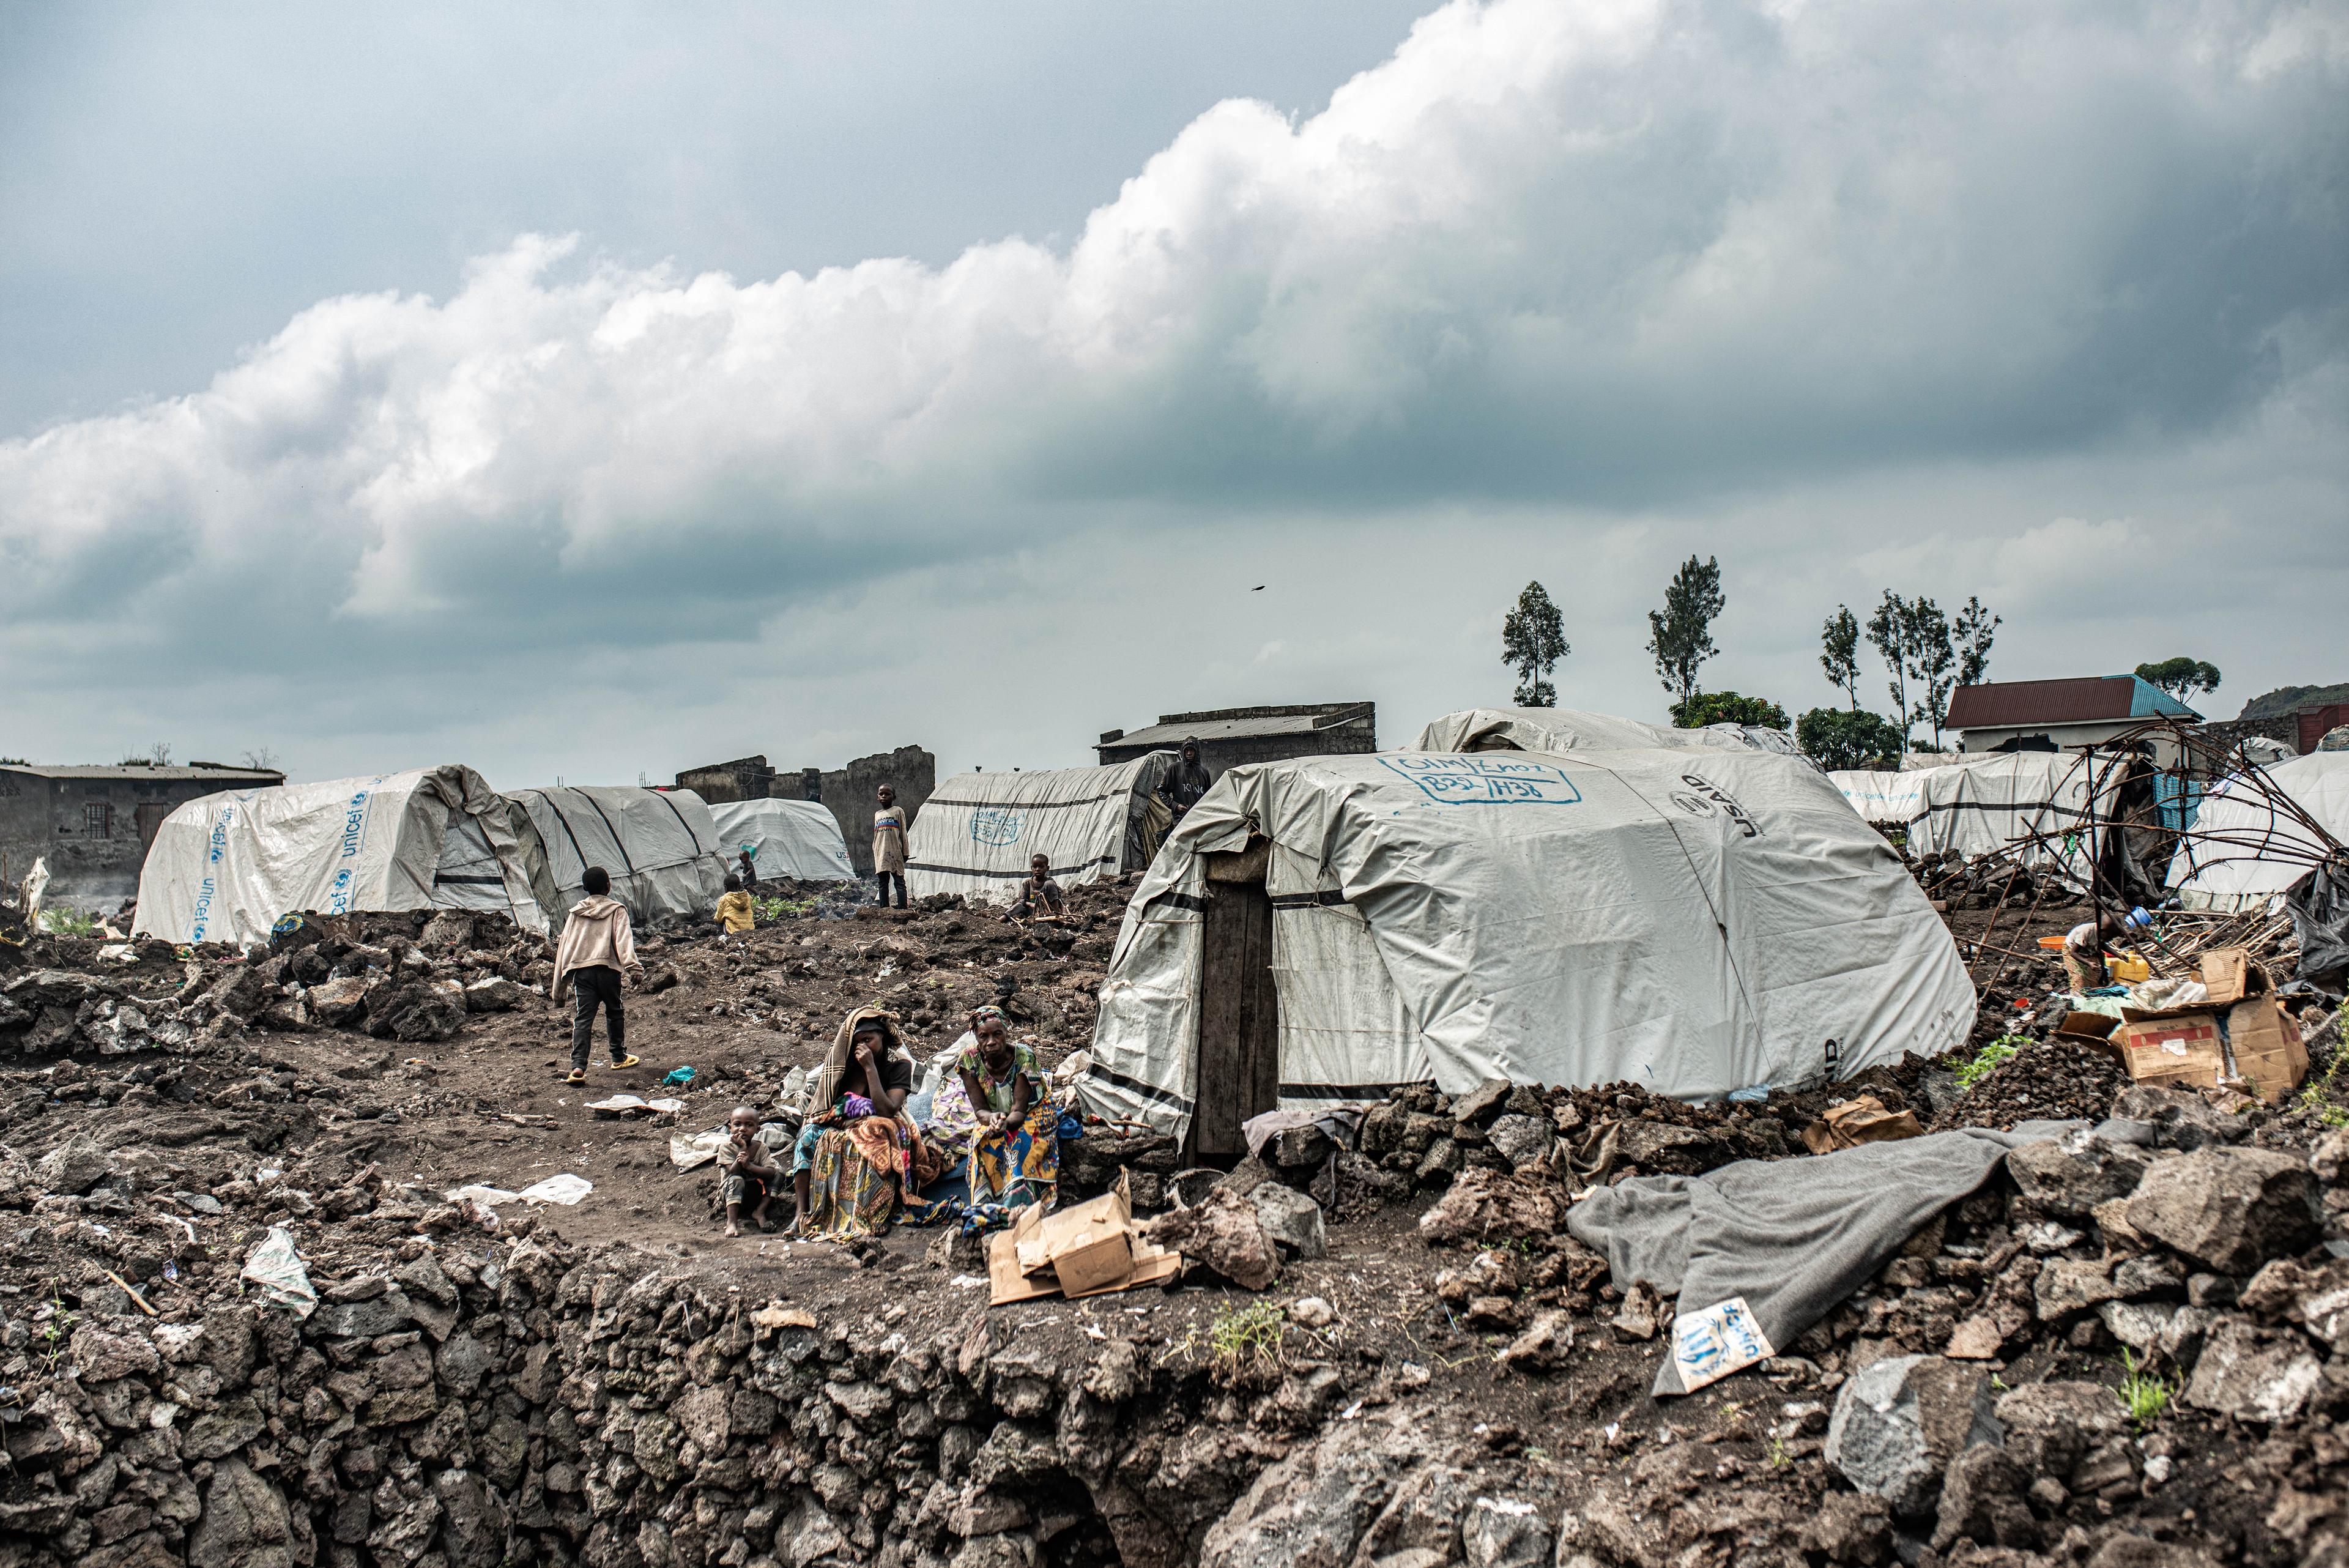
(1839, 652)
(1533, 639)
(1726, 707)
(1834, 738)
(2181, 678)
(1680, 634)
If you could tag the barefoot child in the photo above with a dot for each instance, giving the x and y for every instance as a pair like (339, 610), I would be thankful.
(754, 1174)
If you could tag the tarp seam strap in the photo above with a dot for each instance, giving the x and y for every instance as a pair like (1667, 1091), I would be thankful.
(1347, 1091)
(984, 871)
(548, 796)
(1026, 804)
(618, 842)
(692, 837)
(1136, 1086)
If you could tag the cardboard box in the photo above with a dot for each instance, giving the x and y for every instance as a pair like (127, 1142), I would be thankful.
(2179, 1051)
(2267, 1048)
(1087, 1250)
(2261, 1038)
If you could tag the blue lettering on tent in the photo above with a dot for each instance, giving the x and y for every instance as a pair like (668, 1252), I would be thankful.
(1485, 779)
(997, 827)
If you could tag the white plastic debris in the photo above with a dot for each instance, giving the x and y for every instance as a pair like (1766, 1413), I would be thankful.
(687, 1151)
(565, 1189)
(634, 1104)
(1709, 1346)
(277, 1267)
(477, 1192)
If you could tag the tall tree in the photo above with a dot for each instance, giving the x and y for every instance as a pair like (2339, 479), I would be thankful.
(1888, 633)
(2181, 678)
(1931, 659)
(1533, 639)
(1682, 632)
(1976, 626)
(1839, 640)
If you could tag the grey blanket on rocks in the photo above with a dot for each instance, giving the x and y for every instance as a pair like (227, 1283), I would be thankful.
(1794, 1237)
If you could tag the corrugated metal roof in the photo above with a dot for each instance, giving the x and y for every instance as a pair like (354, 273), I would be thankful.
(1225, 729)
(2082, 699)
(158, 775)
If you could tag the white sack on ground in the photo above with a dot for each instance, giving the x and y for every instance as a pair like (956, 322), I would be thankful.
(1694, 922)
(2246, 850)
(1568, 730)
(224, 867)
(796, 838)
(661, 847)
(975, 835)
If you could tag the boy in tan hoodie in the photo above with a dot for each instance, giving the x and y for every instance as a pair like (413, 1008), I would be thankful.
(598, 944)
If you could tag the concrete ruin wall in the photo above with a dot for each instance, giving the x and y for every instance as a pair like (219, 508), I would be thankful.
(849, 792)
(479, 1404)
(93, 864)
(746, 778)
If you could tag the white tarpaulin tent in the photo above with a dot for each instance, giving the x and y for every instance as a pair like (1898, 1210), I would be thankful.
(1977, 807)
(975, 835)
(1568, 730)
(2245, 851)
(1694, 922)
(659, 846)
(226, 867)
(795, 838)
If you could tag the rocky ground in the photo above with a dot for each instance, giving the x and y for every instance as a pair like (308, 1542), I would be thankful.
(2130, 1348)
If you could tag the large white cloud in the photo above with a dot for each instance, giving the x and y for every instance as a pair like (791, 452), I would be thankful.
(1618, 256)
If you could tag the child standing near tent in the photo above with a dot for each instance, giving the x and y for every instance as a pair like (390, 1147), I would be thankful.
(598, 946)
(889, 846)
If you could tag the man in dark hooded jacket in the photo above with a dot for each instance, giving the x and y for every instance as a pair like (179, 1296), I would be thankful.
(1185, 781)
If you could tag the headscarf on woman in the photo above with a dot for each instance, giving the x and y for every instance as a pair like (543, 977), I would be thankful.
(862, 1167)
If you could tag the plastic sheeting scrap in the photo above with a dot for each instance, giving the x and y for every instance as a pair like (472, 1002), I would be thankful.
(477, 1192)
(631, 1105)
(277, 1267)
(565, 1189)
(688, 1150)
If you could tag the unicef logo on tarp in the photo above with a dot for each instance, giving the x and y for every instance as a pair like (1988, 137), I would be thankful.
(997, 827)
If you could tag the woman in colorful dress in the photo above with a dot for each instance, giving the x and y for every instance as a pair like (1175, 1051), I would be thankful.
(858, 1155)
(1015, 1146)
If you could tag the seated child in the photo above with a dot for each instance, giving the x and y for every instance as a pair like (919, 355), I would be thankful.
(735, 913)
(754, 1173)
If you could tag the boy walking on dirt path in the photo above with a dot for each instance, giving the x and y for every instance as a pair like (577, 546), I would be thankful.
(598, 945)
(889, 846)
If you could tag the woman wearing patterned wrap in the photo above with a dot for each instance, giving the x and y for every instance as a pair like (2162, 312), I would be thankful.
(1015, 1148)
(858, 1155)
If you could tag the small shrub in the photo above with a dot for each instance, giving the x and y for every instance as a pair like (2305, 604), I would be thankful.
(66, 923)
(2143, 1395)
(1989, 1059)
(1246, 1333)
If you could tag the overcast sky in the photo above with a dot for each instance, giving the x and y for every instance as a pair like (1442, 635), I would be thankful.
(594, 391)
